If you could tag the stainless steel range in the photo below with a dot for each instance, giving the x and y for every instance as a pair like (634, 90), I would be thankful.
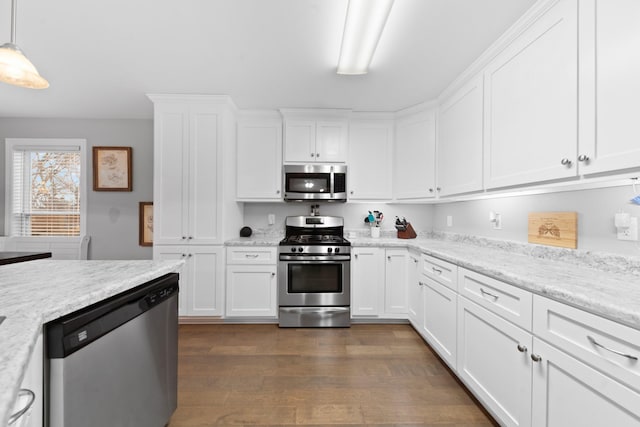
(314, 273)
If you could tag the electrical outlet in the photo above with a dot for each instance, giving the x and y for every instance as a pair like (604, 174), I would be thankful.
(631, 232)
(449, 221)
(496, 219)
(271, 219)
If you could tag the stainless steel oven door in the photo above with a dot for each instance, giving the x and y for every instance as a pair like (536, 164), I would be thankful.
(314, 281)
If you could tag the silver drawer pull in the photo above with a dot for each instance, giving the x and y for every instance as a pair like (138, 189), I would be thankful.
(536, 357)
(251, 255)
(619, 353)
(483, 292)
(522, 348)
(436, 270)
(32, 397)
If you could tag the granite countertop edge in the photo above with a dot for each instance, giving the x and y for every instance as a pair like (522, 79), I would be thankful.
(23, 325)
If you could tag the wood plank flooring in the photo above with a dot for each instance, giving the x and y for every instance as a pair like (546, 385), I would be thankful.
(261, 375)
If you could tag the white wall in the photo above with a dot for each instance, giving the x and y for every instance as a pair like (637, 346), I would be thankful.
(112, 219)
(596, 208)
(420, 216)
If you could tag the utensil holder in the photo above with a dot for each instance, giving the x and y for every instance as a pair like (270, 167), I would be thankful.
(409, 233)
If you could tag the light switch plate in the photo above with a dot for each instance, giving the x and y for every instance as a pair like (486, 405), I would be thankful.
(631, 232)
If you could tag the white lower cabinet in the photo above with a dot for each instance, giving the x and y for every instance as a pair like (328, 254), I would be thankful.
(252, 285)
(201, 278)
(415, 306)
(439, 319)
(395, 289)
(367, 281)
(493, 361)
(32, 381)
(567, 392)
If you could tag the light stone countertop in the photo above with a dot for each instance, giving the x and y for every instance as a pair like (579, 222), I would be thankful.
(35, 292)
(604, 284)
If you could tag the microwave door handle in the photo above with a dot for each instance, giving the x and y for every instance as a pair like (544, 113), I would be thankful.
(331, 182)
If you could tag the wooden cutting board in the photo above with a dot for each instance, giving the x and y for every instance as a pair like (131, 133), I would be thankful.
(554, 229)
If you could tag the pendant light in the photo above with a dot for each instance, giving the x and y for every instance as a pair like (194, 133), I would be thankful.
(15, 68)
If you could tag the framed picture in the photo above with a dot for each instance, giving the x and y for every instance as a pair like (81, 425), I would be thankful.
(146, 224)
(112, 169)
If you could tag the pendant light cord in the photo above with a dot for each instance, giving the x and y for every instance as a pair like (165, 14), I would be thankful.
(13, 21)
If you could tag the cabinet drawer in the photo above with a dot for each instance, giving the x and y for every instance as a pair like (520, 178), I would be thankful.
(608, 346)
(252, 255)
(510, 302)
(441, 271)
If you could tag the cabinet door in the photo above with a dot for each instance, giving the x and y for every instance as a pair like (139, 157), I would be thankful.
(531, 103)
(251, 291)
(370, 160)
(171, 165)
(171, 252)
(609, 91)
(491, 365)
(33, 380)
(204, 164)
(414, 162)
(395, 290)
(567, 392)
(460, 140)
(439, 321)
(259, 163)
(367, 281)
(331, 141)
(206, 281)
(300, 141)
(414, 289)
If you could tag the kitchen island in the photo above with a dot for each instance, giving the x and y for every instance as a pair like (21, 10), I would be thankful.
(39, 291)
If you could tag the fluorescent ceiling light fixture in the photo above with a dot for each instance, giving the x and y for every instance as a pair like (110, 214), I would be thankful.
(15, 68)
(362, 29)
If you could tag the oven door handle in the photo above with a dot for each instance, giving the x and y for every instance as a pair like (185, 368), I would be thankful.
(308, 259)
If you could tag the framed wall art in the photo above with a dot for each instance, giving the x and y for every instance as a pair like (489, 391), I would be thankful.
(146, 224)
(112, 169)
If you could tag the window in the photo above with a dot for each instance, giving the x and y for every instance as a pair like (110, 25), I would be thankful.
(45, 187)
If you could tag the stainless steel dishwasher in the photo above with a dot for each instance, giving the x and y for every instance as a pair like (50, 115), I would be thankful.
(115, 363)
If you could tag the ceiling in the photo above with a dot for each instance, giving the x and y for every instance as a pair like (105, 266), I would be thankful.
(102, 56)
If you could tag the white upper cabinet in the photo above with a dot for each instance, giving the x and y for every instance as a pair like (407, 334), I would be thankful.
(610, 88)
(259, 163)
(370, 159)
(460, 140)
(414, 160)
(315, 136)
(186, 186)
(531, 103)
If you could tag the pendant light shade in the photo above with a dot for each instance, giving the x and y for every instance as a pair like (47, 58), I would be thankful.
(15, 68)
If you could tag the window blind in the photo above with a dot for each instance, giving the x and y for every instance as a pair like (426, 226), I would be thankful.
(46, 192)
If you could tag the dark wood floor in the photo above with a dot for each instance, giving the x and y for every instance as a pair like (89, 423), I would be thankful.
(363, 375)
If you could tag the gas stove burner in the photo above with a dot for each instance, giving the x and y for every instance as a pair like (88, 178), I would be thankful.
(315, 239)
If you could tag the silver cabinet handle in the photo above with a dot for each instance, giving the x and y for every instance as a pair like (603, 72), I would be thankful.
(436, 270)
(317, 154)
(431, 190)
(190, 237)
(389, 257)
(277, 191)
(619, 353)
(184, 255)
(494, 296)
(273, 274)
(522, 348)
(356, 255)
(583, 158)
(184, 237)
(421, 284)
(32, 397)
(189, 256)
(312, 154)
(414, 260)
(351, 192)
(566, 162)
(438, 188)
(536, 358)
(251, 255)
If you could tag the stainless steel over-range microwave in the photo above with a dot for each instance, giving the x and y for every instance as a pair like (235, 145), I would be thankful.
(315, 182)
